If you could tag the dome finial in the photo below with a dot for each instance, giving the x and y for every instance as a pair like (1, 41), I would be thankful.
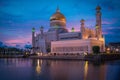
(98, 8)
(57, 10)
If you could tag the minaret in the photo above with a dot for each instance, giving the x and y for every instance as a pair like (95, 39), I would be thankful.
(33, 40)
(98, 22)
(41, 30)
(82, 28)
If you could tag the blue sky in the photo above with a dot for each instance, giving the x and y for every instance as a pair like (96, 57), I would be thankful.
(17, 17)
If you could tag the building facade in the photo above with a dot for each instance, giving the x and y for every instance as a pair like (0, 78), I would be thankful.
(58, 40)
(114, 47)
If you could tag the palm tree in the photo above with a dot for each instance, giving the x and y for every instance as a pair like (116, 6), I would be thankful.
(96, 49)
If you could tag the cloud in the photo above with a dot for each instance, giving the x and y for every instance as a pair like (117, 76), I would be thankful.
(111, 5)
(19, 43)
(17, 17)
(107, 22)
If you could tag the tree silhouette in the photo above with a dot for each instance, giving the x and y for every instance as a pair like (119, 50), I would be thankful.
(96, 49)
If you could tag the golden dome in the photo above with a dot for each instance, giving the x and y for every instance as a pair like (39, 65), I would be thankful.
(57, 16)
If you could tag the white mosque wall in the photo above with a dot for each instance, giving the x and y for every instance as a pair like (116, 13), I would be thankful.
(50, 36)
(70, 35)
(40, 46)
(74, 46)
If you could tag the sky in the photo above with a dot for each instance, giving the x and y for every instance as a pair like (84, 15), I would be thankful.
(17, 17)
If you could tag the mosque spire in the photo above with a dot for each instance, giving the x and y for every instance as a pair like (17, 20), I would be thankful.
(57, 10)
(98, 22)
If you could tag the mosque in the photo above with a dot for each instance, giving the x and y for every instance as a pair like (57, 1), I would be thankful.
(58, 40)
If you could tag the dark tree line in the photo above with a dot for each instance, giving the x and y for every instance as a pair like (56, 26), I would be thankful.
(10, 51)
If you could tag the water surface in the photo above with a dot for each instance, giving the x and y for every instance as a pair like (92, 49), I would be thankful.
(36, 69)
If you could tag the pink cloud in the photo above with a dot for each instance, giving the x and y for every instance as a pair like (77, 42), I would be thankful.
(106, 22)
(104, 33)
(21, 41)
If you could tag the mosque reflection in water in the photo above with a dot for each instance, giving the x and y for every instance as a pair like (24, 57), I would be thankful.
(69, 70)
(36, 69)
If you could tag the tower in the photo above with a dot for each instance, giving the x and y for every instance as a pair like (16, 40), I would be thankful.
(83, 28)
(33, 40)
(98, 22)
(41, 30)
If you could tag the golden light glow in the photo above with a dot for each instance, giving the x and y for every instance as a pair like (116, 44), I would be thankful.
(117, 49)
(26, 53)
(101, 39)
(85, 70)
(38, 67)
(108, 49)
(39, 54)
(85, 53)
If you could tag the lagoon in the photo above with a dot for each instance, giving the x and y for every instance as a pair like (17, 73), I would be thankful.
(37, 69)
